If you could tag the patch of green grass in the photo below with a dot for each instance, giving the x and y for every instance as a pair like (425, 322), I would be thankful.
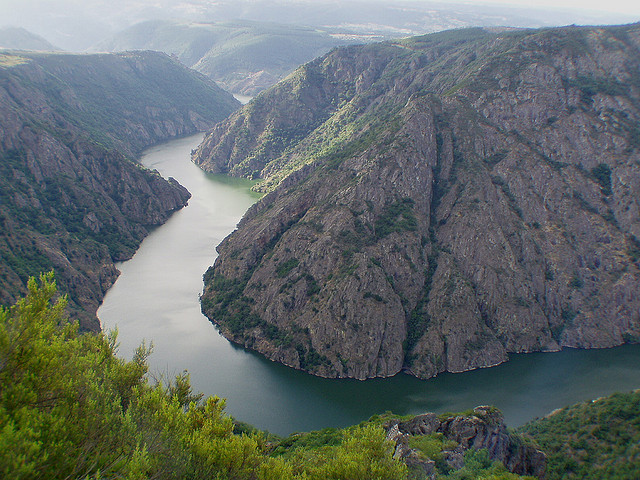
(602, 175)
(396, 217)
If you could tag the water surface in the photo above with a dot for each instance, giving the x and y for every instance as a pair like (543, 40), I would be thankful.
(156, 299)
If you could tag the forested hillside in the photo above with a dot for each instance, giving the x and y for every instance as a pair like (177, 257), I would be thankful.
(437, 203)
(72, 198)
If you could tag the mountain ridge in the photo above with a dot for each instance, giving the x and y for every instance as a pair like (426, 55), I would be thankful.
(428, 208)
(72, 197)
(243, 57)
(22, 39)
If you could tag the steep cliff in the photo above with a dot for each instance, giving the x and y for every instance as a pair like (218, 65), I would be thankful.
(71, 197)
(437, 203)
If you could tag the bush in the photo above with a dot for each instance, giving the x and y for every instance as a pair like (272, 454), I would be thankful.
(602, 175)
(69, 408)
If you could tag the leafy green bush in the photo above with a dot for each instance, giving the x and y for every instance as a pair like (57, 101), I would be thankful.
(69, 408)
(478, 465)
(283, 268)
(602, 175)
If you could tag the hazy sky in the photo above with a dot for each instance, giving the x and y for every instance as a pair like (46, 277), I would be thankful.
(631, 7)
(76, 25)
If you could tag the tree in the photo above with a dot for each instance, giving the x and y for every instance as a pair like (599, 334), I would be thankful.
(70, 408)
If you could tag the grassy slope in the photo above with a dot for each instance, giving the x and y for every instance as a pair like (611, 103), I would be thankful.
(592, 440)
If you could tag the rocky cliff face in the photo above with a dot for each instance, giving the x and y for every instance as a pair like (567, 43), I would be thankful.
(437, 203)
(71, 198)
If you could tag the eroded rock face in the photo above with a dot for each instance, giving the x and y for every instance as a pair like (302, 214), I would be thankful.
(445, 201)
(484, 428)
(72, 199)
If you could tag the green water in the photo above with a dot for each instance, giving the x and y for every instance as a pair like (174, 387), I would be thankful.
(156, 299)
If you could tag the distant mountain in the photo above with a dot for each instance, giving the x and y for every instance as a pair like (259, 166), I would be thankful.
(242, 57)
(437, 203)
(77, 25)
(16, 38)
(71, 196)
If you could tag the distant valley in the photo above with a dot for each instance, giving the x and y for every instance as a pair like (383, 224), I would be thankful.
(242, 57)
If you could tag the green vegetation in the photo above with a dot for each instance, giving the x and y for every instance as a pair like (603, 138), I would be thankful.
(432, 447)
(228, 305)
(447, 39)
(602, 175)
(439, 448)
(230, 308)
(592, 440)
(478, 466)
(419, 320)
(633, 250)
(69, 408)
(590, 86)
(576, 282)
(511, 199)
(9, 60)
(374, 296)
(283, 268)
(396, 217)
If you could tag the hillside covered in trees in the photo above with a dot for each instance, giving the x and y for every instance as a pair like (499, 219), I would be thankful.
(592, 440)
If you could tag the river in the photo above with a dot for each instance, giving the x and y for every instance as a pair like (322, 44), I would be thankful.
(156, 299)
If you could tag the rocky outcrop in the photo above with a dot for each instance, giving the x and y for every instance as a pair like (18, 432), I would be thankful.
(483, 428)
(72, 199)
(444, 201)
